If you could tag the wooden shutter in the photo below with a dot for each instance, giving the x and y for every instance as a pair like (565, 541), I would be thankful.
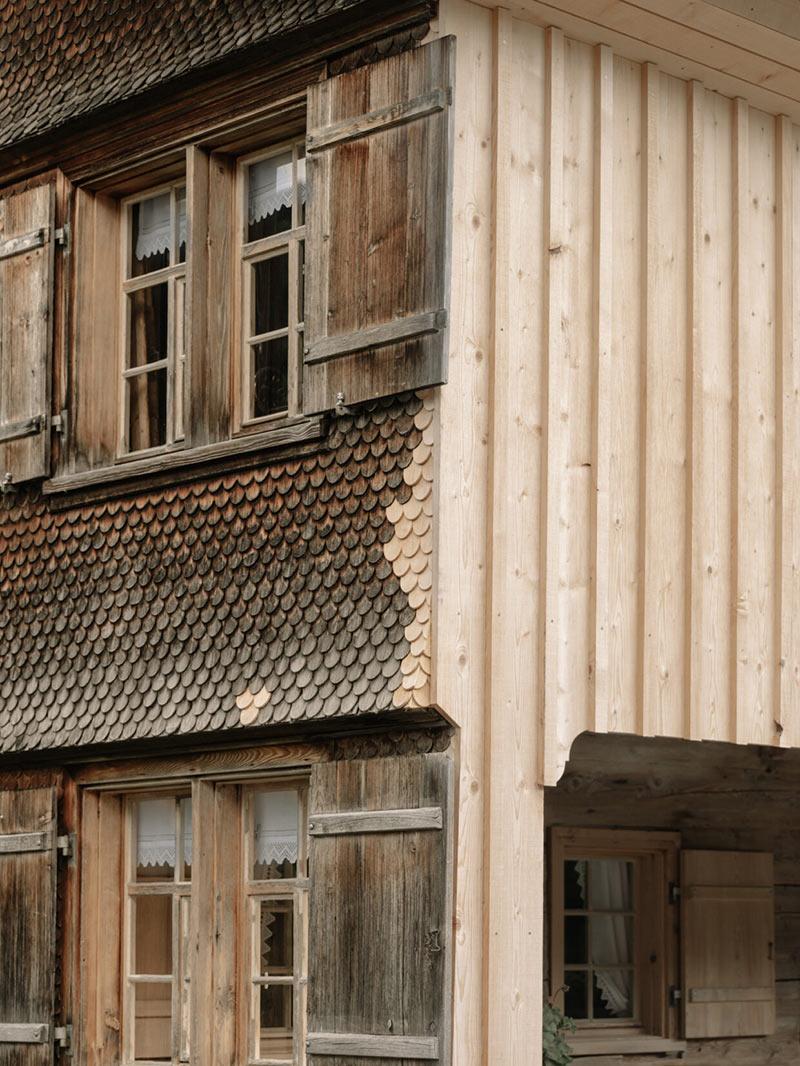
(727, 934)
(380, 909)
(27, 241)
(379, 148)
(27, 926)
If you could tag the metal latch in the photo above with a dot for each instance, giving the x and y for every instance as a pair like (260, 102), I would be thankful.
(65, 843)
(63, 1037)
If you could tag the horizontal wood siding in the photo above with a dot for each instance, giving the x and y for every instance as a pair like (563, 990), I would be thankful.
(662, 328)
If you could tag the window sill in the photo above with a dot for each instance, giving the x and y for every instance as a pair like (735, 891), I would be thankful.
(273, 439)
(597, 1044)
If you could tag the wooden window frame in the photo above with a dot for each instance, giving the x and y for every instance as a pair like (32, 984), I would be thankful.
(656, 855)
(108, 844)
(289, 242)
(173, 274)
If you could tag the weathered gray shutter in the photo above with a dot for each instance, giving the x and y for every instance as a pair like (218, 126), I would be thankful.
(380, 909)
(27, 241)
(27, 926)
(727, 943)
(379, 148)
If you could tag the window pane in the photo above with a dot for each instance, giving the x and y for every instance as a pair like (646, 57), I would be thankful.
(180, 354)
(149, 325)
(180, 206)
(152, 941)
(301, 185)
(154, 826)
(611, 939)
(185, 988)
(610, 885)
(270, 377)
(270, 294)
(186, 838)
(269, 196)
(151, 235)
(276, 1019)
(276, 947)
(275, 837)
(575, 948)
(612, 994)
(575, 1000)
(574, 885)
(147, 409)
(152, 1031)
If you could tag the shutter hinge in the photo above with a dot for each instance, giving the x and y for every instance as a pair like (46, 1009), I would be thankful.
(675, 996)
(63, 1037)
(7, 484)
(58, 423)
(341, 407)
(62, 236)
(66, 845)
(674, 892)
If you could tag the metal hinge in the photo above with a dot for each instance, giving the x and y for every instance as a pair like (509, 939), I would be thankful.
(66, 845)
(62, 235)
(63, 1037)
(674, 892)
(58, 423)
(675, 996)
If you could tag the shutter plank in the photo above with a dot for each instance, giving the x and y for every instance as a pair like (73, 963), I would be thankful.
(378, 229)
(727, 931)
(26, 313)
(27, 930)
(380, 911)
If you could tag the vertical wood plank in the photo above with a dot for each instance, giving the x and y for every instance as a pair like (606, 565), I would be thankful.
(626, 415)
(554, 447)
(756, 455)
(694, 498)
(666, 416)
(460, 604)
(603, 341)
(515, 874)
(788, 443)
(740, 152)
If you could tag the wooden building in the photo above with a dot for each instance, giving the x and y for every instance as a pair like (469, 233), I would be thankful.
(399, 531)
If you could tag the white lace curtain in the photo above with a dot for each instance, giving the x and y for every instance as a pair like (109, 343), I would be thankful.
(270, 186)
(611, 934)
(154, 234)
(275, 816)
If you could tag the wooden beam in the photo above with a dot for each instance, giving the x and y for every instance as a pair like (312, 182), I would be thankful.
(420, 818)
(372, 1046)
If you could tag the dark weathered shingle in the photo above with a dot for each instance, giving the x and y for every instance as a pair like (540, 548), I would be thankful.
(60, 59)
(259, 597)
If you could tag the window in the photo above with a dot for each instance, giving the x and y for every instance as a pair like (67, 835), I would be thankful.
(259, 875)
(153, 313)
(612, 932)
(273, 232)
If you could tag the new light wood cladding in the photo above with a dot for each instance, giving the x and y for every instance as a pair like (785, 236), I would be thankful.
(410, 552)
(647, 278)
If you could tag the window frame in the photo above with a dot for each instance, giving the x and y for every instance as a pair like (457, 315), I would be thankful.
(248, 253)
(654, 1025)
(171, 275)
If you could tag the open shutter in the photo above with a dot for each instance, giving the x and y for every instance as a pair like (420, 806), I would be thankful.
(27, 241)
(379, 148)
(27, 926)
(727, 932)
(380, 909)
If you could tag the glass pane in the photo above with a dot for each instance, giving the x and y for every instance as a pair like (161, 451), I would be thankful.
(148, 324)
(269, 196)
(154, 827)
(270, 294)
(276, 944)
(610, 885)
(151, 235)
(301, 185)
(611, 940)
(152, 1030)
(275, 1022)
(270, 377)
(275, 838)
(186, 837)
(180, 354)
(180, 207)
(575, 885)
(152, 934)
(575, 1000)
(612, 994)
(147, 410)
(575, 948)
